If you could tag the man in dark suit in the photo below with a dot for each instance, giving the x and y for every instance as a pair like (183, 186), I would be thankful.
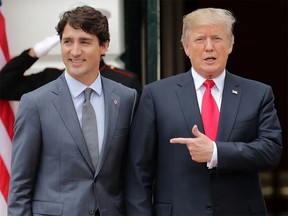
(53, 171)
(13, 82)
(178, 164)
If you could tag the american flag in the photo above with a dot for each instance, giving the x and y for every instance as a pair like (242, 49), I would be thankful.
(6, 125)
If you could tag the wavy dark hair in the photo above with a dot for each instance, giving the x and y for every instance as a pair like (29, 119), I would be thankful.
(88, 19)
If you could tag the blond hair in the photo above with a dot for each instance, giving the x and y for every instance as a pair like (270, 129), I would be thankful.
(208, 16)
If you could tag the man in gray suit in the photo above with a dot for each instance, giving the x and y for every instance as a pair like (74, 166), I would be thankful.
(178, 164)
(52, 172)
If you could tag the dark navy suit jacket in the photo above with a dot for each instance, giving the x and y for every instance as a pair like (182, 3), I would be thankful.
(163, 180)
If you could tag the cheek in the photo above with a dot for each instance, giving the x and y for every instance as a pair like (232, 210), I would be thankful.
(226, 48)
(196, 52)
(96, 54)
(64, 50)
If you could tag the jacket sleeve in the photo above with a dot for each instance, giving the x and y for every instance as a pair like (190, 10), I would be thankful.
(255, 143)
(26, 153)
(13, 83)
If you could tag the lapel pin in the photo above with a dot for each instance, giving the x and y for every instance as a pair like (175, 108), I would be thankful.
(234, 92)
(115, 102)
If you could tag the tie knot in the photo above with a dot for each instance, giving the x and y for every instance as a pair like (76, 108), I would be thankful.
(87, 93)
(209, 84)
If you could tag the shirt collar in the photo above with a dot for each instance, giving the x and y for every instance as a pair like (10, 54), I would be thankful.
(76, 87)
(199, 80)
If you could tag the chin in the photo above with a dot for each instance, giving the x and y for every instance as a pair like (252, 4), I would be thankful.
(212, 70)
(75, 71)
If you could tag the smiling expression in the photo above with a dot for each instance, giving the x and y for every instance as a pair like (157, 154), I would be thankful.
(81, 54)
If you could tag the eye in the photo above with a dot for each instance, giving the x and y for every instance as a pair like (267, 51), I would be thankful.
(66, 41)
(85, 42)
(199, 40)
(217, 39)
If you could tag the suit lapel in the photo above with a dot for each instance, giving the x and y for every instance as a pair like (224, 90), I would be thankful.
(186, 94)
(229, 107)
(112, 105)
(62, 100)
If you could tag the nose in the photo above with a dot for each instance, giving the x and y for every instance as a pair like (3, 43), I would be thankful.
(76, 49)
(209, 45)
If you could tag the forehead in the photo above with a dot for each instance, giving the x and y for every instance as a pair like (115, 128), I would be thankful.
(70, 32)
(208, 29)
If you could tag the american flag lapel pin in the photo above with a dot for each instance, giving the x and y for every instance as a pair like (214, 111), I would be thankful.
(234, 92)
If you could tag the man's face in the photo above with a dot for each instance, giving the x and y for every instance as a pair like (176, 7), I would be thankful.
(81, 53)
(208, 48)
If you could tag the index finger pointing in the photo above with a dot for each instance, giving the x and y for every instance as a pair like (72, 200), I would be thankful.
(179, 140)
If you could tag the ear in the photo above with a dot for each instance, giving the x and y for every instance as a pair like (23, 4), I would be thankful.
(230, 47)
(104, 47)
(186, 48)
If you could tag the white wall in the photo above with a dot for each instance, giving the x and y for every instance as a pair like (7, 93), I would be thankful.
(30, 21)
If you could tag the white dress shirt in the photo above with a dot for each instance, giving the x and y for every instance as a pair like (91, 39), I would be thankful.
(97, 100)
(216, 91)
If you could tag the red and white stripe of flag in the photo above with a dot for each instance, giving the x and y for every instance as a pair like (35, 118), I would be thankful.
(6, 126)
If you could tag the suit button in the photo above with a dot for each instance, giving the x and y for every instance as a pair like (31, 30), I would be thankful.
(91, 211)
(209, 208)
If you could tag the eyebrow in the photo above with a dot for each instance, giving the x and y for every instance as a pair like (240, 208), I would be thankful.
(86, 39)
(81, 38)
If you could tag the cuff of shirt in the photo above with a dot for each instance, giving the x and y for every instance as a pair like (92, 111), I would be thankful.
(214, 160)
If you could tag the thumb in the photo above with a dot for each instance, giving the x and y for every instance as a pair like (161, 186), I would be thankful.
(195, 131)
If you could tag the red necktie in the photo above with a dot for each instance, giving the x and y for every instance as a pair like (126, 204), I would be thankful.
(210, 111)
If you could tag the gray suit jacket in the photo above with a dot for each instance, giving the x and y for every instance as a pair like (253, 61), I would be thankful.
(248, 141)
(52, 173)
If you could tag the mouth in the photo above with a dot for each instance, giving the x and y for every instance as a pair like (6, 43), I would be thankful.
(210, 59)
(76, 60)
